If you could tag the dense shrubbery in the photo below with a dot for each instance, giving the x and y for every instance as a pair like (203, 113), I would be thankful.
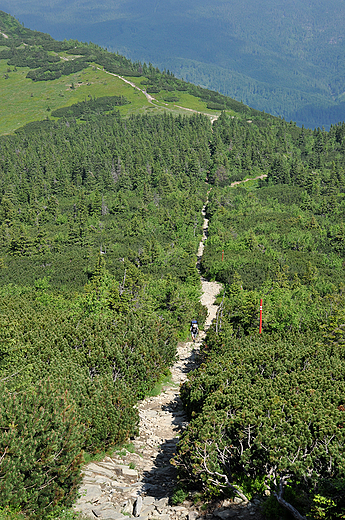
(90, 106)
(32, 58)
(266, 231)
(288, 154)
(133, 190)
(107, 346)
(267, 412)
(56, 70)
(40, 448)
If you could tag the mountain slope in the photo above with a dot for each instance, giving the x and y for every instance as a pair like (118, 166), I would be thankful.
(289, 56)
(100, 221)
(39, 75)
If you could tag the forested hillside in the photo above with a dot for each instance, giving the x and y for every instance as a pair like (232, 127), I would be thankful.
(100, 210)
(99, 229)
(40, 76)
(267, 411)
(282, 57)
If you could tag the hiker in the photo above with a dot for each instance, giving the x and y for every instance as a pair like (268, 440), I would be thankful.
(194, 330)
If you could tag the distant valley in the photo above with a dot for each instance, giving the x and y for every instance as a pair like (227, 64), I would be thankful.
(285, 59)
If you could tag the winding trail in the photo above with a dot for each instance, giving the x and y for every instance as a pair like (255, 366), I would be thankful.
(263, 176)
(151, 99)
(140, 481)
(213, 117)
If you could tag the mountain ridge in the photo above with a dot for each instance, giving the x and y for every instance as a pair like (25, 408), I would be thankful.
(59, 74)
(283, 46)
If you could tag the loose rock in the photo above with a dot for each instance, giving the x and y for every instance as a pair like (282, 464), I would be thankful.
(112, 487)
(138, 505)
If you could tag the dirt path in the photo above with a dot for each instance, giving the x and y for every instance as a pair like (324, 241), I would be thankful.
(246, 180)
(209, 289)
(151, 99)
(213, 117)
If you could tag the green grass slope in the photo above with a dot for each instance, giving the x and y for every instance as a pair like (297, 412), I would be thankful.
(285, 58)
(39, 75)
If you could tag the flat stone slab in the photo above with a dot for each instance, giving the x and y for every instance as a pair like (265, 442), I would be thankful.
(224, 515)
(107, 512)
(122, 489)
(147, 501)
(89, 492)
(100, 470)
(113, 515)
(147, 510)
(110, 466)
(129, 474)
(161, 503)
(100, 479)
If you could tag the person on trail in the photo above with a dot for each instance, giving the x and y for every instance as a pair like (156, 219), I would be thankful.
(194, 330)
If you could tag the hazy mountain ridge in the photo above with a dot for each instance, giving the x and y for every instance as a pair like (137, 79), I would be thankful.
(284, 46)
(40, 75)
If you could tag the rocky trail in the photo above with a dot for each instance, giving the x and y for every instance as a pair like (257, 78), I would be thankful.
(139, 480)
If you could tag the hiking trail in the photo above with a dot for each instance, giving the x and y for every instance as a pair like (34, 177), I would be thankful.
(139, 481)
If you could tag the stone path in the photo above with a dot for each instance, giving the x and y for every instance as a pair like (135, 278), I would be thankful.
(139, 481)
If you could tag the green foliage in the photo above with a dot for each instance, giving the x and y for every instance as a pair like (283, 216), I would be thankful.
(128, 192)
(292, 224)
(8, 514)
(330, 502)
(92, 106)
(294, 68)
(40, 448)
(248, 400)
(55, 71)
(179, 496)
(267, 411)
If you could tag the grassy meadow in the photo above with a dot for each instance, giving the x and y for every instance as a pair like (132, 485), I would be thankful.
(24, 100)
